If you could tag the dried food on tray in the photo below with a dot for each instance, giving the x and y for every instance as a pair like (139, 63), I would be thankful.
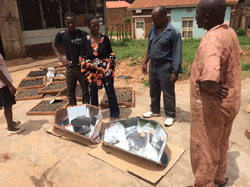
(125, 96)
(57, 86)
(84, 120)
(28, 94)
(31, 82)
(37, 73)
(63, 95)
(45, 108)
(53, 64)
(51, 94)
(141, 137)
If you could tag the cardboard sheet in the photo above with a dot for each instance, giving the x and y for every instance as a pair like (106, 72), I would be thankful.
(68, 136)
(136, 165)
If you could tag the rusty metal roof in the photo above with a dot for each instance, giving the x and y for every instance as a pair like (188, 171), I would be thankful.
(147, 4)
(117, 4)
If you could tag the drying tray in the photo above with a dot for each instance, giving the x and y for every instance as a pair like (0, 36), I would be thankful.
(39, 73)
(63, 95)
(32, 86)
(45, 108)
(125, 96)
(28, 94)
(59, 78)
(55, 86)
(53, 64)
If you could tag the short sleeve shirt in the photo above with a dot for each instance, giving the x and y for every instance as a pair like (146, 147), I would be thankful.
(71, 42)
(5, 72)
(217, 59)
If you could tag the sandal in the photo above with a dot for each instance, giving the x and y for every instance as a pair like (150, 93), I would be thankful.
(221, 185)
(15, 123)
(21, 129)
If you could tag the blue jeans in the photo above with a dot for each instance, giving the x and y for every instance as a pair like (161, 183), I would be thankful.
(159, 81)
(110, 90)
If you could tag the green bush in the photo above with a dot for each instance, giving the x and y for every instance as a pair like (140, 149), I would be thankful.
(241, 32)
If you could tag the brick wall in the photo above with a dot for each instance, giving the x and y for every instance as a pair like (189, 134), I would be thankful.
(115, 16)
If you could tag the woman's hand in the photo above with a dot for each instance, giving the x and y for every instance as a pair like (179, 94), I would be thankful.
(107, 68)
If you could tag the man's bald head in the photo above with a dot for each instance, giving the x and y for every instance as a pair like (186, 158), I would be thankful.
(159, 16)
(213, 7)
(210, 13)
(161, 10)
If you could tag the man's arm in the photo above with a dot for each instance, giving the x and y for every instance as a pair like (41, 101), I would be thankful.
(8, 83)
(144, 67)
(176, 57)
(214, 88)
(64, 61)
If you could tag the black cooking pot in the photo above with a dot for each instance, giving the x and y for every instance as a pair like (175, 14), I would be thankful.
(81, 124)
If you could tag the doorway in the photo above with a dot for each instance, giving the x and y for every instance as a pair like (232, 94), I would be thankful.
(139, 29)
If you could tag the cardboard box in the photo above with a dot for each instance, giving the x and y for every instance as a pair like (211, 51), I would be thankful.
(133, 164)
(64, 118)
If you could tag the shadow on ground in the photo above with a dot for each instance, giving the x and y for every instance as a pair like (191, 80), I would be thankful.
(232, 167)
(32, 125)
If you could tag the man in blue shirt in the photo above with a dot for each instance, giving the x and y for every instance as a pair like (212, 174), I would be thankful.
(165, 54)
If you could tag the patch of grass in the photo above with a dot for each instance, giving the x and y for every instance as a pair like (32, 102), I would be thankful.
(245, 66)
(245, 74)
(146, 82)
(132, 49)
(135, 51)
(244, 43)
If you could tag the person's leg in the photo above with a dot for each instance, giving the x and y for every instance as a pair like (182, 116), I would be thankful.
(113, 104)
(155, 90)
(94, 95)
(168, 90)
(71, 86)
(206, 133)
(6, 101)
(9, 117)
(84, 85)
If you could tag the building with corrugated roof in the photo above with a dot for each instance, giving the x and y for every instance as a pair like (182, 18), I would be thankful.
(180, 12)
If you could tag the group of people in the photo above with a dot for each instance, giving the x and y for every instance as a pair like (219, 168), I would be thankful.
(89, 60)
(215, 83)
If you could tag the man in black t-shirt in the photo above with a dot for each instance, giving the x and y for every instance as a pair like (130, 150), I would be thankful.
(71, 39)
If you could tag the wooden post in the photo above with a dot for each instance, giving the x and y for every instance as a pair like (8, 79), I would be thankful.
(21, 16)
(130, 32)
(122, 31)
(95, 6)
(86, 8)
(117, 31)
(41, 12)
(69, 5)
(111, 33)
(60, 13)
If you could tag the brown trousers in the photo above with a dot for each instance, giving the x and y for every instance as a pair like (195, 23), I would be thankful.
(211, 125)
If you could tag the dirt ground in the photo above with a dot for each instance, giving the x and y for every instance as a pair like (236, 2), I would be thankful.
(35, 158)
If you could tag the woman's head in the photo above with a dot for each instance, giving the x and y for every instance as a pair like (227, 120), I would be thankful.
(93, 24)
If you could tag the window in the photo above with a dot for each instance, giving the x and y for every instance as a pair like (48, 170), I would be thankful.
(139, 25)
(187, 27)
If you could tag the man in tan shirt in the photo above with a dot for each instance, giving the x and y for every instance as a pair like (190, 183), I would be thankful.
(215, 90)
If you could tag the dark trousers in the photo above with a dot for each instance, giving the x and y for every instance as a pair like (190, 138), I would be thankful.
(159, 80)
(110, 90)
(73, 74)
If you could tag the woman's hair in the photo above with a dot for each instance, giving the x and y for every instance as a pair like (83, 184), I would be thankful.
(90, 18)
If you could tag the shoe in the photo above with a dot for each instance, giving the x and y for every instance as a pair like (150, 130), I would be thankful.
(21, 129)
(150, 114)
(114, 119)
(169, 122)
(221, 185)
